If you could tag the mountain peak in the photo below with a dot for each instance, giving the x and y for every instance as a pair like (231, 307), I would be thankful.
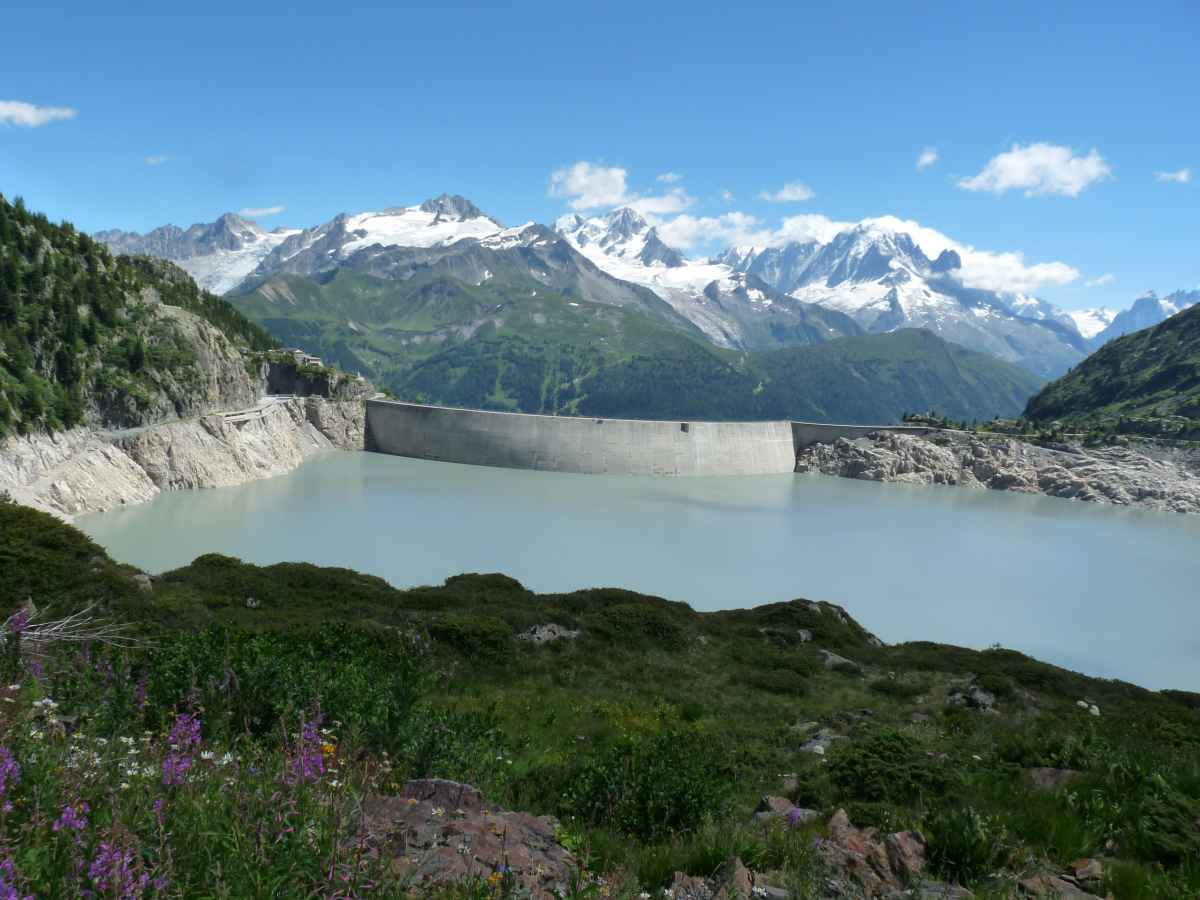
(452, 207)
(625, 222)
(947, 261)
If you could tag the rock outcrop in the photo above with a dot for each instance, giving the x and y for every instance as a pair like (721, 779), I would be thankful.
(86, 470)
(1117, 475)
(437, 833)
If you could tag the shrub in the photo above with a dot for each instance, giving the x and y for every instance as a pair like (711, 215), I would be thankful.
(649, 786)
(885, 766)
(964, 845)
(652, 623)
(475, 636)
(898, 689)
(776, 681)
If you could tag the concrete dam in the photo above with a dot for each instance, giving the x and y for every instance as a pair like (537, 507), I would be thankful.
(598, 446)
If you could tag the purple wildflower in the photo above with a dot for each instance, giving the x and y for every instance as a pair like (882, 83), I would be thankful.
(10, 771)
(184, 738)
(139, 693)
(73, 818)
(308, 762)
(18, 621)
(117, 871)
(9, 878)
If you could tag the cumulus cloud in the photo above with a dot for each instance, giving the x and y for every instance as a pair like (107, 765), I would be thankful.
(792, 192)
(156, 160)
(1040, 169)
(261, 212)
(669, 177)
(727, 195)
(1180, 176)
(674, 201)
(588, 185)
(1102, 280)
(687, 232)
(928, 157)
(17, 112)
(985, 269)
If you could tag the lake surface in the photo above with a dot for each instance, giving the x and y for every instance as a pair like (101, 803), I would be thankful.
(1106, 591)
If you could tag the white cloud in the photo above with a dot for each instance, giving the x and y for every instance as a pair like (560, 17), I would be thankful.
(1101, 281)
(1039, 169)
(727, 195)
(16, 112)
(669, 177)
(792, 192)
(674, 201)
(927, 158)
(1181, 176)
(806, 228)
(261, 212)
(687, 232)
(586, 185)
(156, 160)
(985, 269)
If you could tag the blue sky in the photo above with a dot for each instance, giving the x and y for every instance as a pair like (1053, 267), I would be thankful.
(1062, 135)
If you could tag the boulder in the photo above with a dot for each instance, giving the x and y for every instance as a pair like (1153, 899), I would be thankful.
(1046, 884)
(144, 582)
(732, 881)
(831, 660)
(438, 832)
(973, 696)
(880, 866)
(544, 634)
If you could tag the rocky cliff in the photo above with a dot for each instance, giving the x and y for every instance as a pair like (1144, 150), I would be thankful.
(85, 470)
(1167, 480)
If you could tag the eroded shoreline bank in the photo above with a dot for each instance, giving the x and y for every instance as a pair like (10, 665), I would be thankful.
(87, 470)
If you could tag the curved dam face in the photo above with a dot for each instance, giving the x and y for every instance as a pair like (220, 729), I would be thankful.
(571, 444)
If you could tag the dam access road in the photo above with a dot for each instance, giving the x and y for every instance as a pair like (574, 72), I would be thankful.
(598, 446)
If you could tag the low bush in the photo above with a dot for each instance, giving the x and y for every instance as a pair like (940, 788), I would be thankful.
(964, 845)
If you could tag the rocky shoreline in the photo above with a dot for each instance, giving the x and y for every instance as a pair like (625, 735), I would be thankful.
(1149, 477)
(88, 470)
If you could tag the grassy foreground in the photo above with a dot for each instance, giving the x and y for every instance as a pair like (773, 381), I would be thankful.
(225, 755)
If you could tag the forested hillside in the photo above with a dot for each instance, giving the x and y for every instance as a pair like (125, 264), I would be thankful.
(1152, 374)
(867, 379)
(117, 341)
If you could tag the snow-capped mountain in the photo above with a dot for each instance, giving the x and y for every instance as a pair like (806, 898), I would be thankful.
(1090, 322)
(732, 308)
(218, 255)
(879, 277)
(871, 277)
(1147, 310)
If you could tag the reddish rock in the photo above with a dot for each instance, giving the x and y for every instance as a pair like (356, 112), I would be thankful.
(439, 832)
(880, 865)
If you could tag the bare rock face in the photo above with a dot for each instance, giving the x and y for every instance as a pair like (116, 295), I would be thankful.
(440, 832)
(71, 473)
(1116, 475)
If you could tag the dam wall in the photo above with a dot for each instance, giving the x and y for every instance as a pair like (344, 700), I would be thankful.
(598, 446)
(572, 444)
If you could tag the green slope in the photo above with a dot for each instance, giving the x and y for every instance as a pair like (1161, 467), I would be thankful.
(80, 338)
(1153, 374)
(510, 343)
